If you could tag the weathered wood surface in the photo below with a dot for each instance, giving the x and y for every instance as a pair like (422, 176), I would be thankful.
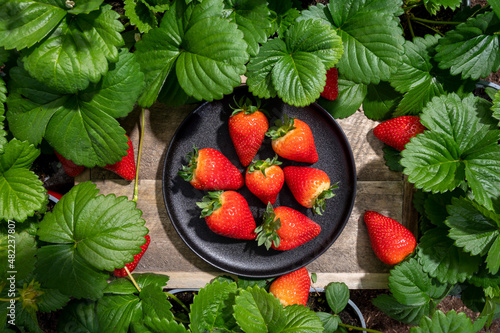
(350, 259)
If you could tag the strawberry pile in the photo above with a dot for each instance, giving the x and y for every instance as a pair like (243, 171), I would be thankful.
(227, 212)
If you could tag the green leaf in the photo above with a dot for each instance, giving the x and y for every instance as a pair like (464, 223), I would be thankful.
(443, 260)
(380, 101)
(283, 15)
(24, 23)
(79, 317)
(337, 296)
(206, 52)
(370, 34)
(212, 307)
(77, 52)
(252, 18)
(472, 49)
(392, 157)
(36, 111)
(125, 286)
(409, 314)
(495, 5)
(163, 325)
(451, 322)
(155, 303)
(26, 251)
(140, 15)
(51, 300)
(330, 321)
(3, 99)
(116, 312)
(476, 230)
(104, 230)
(435, 205)
(18, 155)
(349, 100)
(433, 6)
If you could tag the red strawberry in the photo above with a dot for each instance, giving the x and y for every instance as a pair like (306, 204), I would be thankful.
(292, 288)
(331, 90)
(247, 128)
(227, 214)
(126, 167)
(390, 240)
(309, 186)
(397, 132)
(285, 228)
(69, 167)
(265, 179)
(208, 169)
(293, 139)
(121, 272)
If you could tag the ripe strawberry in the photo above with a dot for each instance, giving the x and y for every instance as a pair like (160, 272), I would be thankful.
(397, 132)
(69, 167)
(285, 228)
(292, 288)
(126, 167)
(121, 272)
(293, 139)
(309, 186)
(227, 214)
(265, 179)
(331, 90)
(208, 169)
(247, 128)
(390, 240)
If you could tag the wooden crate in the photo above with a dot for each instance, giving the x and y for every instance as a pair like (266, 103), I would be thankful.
(350, 259)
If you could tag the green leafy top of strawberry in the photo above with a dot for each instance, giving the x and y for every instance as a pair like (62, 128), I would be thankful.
(267, 231)
(187, 171)
(319, 203)
(245, 105)
(262, 165)
(281, 127)
(210, 203)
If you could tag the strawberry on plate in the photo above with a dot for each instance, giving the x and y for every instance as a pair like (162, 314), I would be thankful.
(285, 228)
(292, 288)
(309, 186)
(126, 167)
(331, 89)
(121, 272)
(248, 125)
(208, 169)
(397, 132)
(265, 178)
(293, 139)
(390, 240)
(227, 214)
(69, 166)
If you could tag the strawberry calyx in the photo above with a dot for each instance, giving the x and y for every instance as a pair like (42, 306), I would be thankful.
(187, 171)
(319, 203)
(262, 165)
(210, 203)
(267, 232)
(245, 105)
(281, 127)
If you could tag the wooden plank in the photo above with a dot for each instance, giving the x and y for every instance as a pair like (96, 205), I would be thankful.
(350, 259)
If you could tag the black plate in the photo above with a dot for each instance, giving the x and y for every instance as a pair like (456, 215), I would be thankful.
(207, 127)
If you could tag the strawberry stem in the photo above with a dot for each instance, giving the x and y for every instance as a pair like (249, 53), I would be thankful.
(141, 139)
(132, 279)
(9, 299)
(175, 298)
(350, 327)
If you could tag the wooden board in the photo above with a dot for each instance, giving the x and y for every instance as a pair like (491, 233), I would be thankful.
(350, 259)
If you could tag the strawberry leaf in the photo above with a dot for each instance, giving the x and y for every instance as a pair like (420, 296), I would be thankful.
(392, 157)
(476, 230)
(205, 51)
(116, 312)
(410, 314)
(349, 100)
(212, 308)
(22, 193)
(36, 112)
(162, 325)
(3, 99)
(125, 286)
(51, 300)
(381, 101)
(496, 106)
(472, 49)
(77, 52)
(370, 34)
(143, 15)
(283, 14)
(79, 316)
(433, 6)
(337, 296)
(446, 323)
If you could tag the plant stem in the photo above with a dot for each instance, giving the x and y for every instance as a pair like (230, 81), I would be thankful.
(9, 299)
(431, 28)
(418, 19)
(350, 327)
(132, 279)
(172, 296)
(139, 153)
(410, 26)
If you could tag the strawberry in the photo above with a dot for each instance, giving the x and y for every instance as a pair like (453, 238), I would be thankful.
(398, 131)
(121, 272)
(126, 167)
(208, 169)
(284, 228)
(227, 214)
(69, 167)
(390, 240)
(293, 139)
(247, 128)
(331, 89)
(292, 288)
(309, 186)
(265, 179)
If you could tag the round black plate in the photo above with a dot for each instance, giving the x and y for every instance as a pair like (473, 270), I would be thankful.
(207, 126)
